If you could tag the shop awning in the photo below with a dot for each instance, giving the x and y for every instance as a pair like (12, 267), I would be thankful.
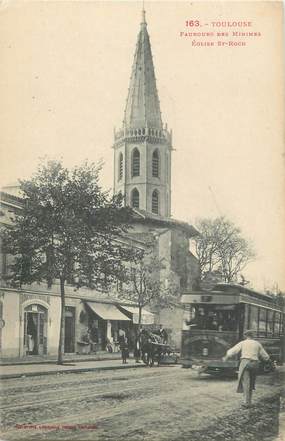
(107, 311)
(147, 317)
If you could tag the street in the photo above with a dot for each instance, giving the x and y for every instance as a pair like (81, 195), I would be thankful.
(159, 403)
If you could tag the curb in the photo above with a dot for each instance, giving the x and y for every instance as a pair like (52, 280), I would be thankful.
(69, 371)
(71, 360)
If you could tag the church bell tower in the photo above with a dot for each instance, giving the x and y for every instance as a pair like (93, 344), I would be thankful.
(142, 147)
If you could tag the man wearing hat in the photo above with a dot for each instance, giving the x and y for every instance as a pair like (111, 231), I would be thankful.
(250, 352)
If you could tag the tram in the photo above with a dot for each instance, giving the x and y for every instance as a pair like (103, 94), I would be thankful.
(214, 321)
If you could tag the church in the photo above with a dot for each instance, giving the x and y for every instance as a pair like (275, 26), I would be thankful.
(142, 174)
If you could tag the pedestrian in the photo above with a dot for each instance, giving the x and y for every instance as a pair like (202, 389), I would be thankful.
(137, 349)
(121, 335)
(250, 352)
(124, 349)
(163, 334)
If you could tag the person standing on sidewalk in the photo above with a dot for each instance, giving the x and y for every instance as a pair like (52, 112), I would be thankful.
(137, 348)
(250, 352)
(124, 349)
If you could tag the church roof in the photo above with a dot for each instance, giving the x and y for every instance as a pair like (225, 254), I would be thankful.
(166, 222)
(143, 108)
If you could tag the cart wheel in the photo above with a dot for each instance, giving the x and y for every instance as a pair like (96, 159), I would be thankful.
(144, 359)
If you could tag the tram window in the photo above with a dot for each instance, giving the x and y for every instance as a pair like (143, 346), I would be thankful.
(253, 321)
(262, 322)
(246, 316)
(197, 317)
(270, 323)
(276, 323)
(214, 317)
(192, 313)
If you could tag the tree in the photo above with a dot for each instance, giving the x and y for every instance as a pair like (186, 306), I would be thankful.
(221, 247)
(145, 284)
(69, 230)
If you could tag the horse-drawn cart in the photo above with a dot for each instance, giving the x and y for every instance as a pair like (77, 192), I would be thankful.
(153, 349)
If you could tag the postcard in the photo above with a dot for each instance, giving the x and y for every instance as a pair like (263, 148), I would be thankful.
(141, 315)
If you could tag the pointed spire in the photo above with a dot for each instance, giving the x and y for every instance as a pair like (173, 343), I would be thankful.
(143, 22)
(143, 108)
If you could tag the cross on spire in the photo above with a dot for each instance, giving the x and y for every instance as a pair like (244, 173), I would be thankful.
(143, 15)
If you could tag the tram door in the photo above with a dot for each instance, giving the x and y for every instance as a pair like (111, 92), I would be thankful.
(35, 330)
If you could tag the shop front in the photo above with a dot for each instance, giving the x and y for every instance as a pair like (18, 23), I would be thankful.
(147, 318)
(104, 322)
(147, 321)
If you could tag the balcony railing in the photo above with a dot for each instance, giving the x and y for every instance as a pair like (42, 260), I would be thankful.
(137, 134)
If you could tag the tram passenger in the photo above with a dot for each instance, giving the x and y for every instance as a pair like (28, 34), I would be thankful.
(200, 320)
(250, 352)
(215, 324)
(212, 322)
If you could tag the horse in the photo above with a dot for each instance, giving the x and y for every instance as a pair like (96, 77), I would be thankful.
(150, 348)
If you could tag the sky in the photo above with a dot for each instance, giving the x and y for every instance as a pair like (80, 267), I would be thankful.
(65, 70)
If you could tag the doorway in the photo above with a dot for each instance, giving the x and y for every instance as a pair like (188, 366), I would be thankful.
(35, 330)
(69, 334)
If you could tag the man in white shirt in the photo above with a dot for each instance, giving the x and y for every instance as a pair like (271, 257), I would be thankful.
(250, 352)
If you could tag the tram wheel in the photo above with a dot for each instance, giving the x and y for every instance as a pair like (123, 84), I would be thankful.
(268, 367)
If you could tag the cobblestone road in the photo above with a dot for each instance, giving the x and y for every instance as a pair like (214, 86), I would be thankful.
(158, 404)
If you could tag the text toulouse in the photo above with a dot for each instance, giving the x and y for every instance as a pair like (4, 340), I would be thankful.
(220, 24)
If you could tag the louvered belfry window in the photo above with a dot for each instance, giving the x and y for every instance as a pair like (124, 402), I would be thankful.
(135, 198)
(155, 164)
(120, 174)
(135, 162)
(155, 202)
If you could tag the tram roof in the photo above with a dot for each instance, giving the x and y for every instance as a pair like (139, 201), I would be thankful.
(230, 289)
(242, 289)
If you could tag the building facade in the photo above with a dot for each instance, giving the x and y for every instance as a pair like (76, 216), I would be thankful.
(30, 320)
(30, 316)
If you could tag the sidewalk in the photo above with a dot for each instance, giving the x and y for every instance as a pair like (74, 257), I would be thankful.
(69, 358)
(31, 370)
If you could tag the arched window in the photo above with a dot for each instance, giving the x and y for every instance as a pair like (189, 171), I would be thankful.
(135, 198)
(155, 164)
(135, 163)
(155, 202)
(120, 165)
